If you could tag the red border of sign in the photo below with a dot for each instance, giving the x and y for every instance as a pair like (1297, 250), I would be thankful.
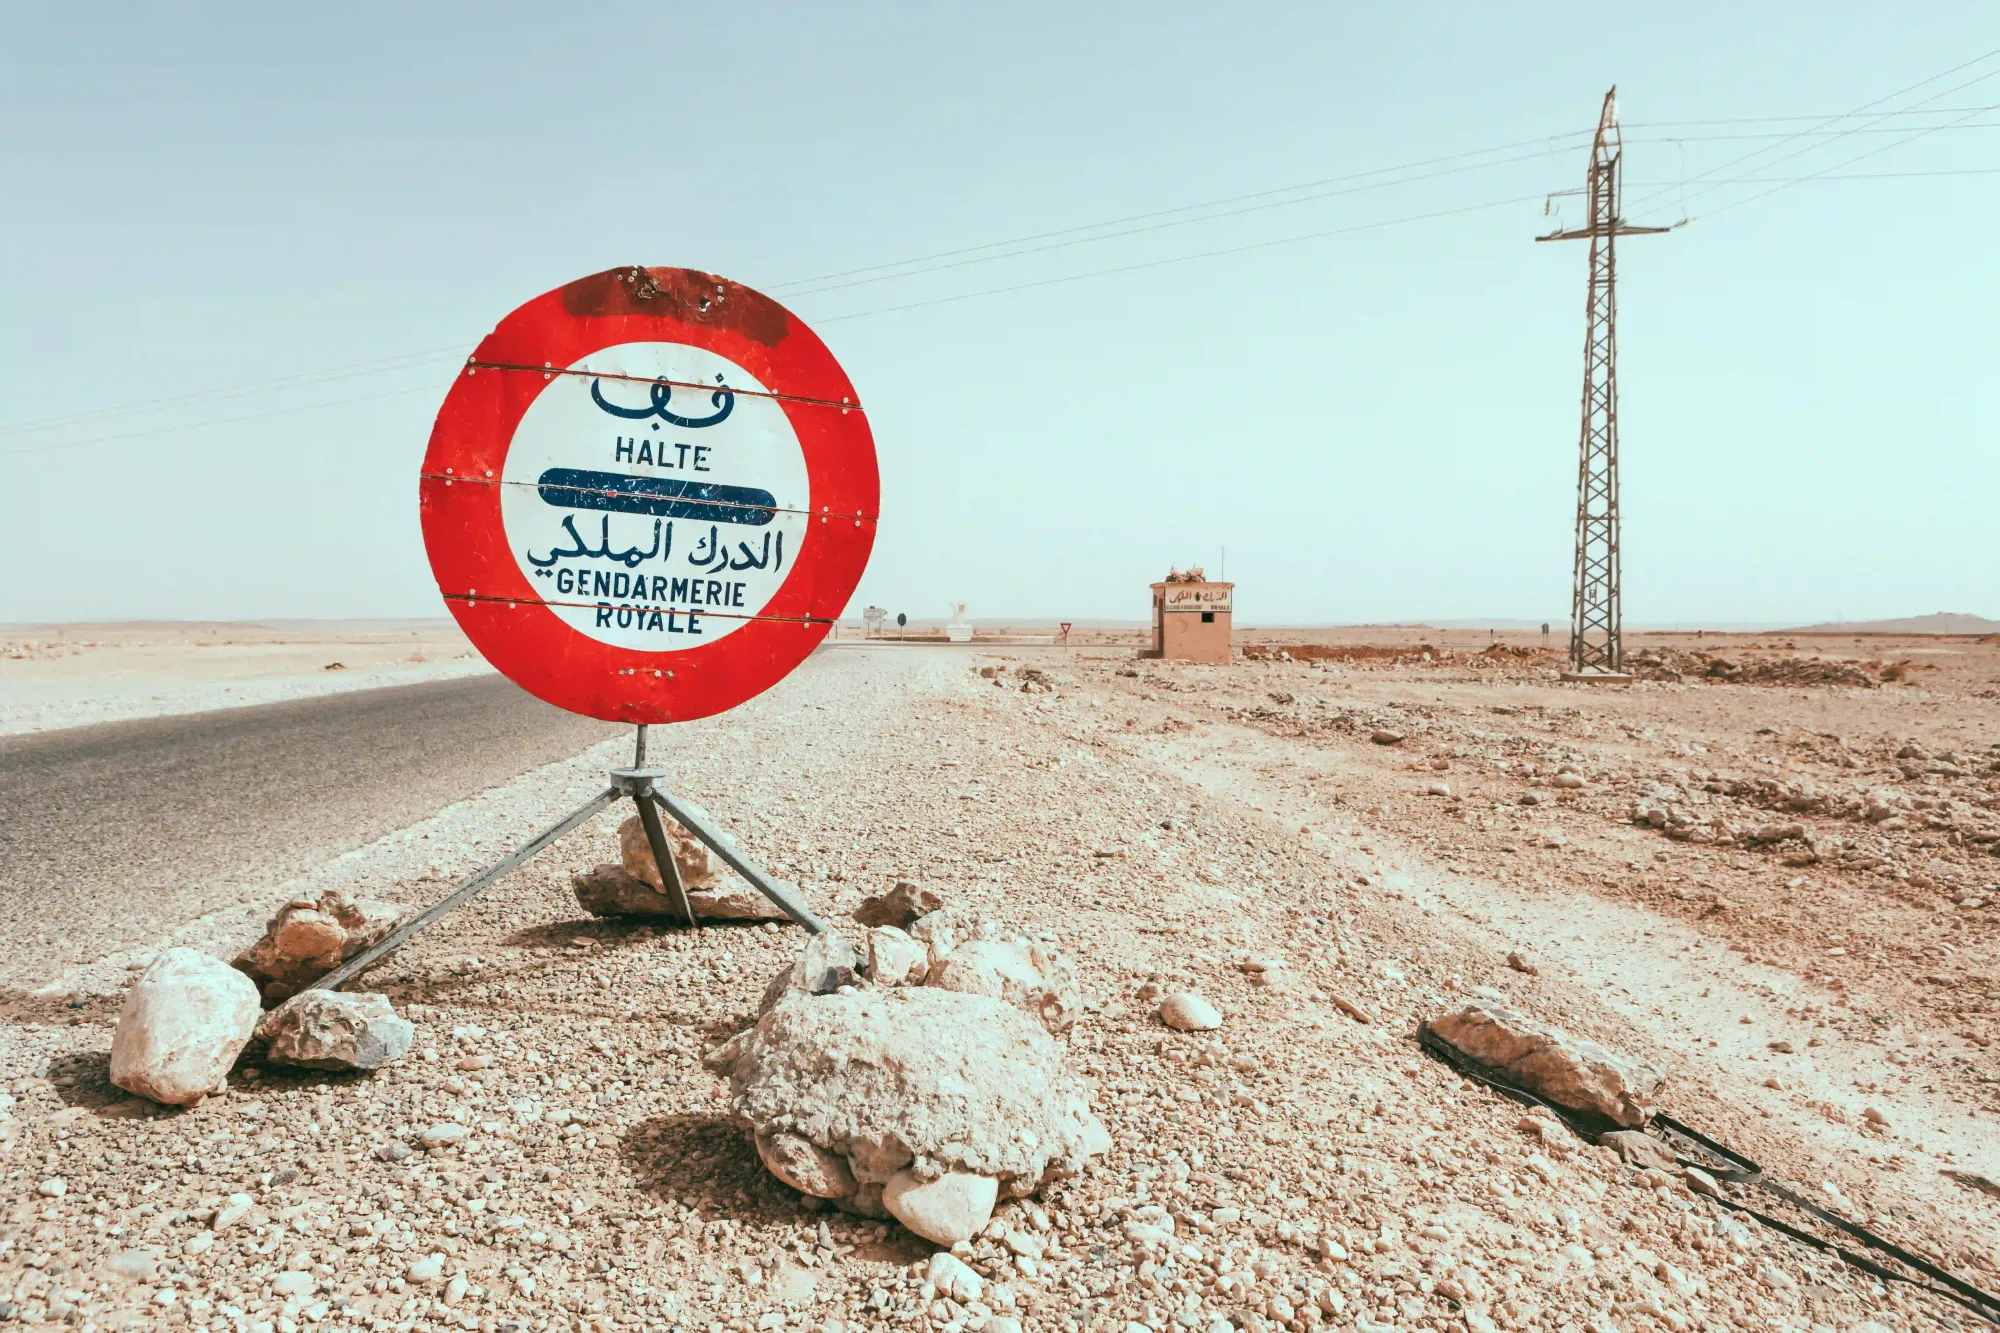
(459, 490)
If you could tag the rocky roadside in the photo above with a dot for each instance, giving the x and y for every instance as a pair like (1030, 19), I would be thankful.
(555, 1156)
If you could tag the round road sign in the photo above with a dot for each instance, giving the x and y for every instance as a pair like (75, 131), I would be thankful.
(648, 494)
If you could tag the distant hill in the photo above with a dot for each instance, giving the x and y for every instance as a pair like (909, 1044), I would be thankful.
(1938, 622)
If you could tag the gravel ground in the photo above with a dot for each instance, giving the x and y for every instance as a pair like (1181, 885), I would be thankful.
(1299, 1167)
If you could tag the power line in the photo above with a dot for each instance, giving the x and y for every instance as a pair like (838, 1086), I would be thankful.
(383, 365)
(410, 360)
(1786, 185)
(1831, 120)
(1162, 226)
(1767, 120)
(1549, 143)
(1181, 259)
(224, 421)
(1803, 134)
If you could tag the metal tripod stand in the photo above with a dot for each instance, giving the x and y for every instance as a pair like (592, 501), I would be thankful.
(642, 785)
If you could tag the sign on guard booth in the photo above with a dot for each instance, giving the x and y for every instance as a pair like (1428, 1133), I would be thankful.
(649, 494)
(1191, 621)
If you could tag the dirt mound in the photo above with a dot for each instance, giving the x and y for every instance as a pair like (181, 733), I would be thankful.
(1417, 654)
(1674, 665)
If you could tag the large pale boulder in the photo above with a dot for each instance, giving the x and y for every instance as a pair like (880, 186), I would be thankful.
(912, 1084)
(320, 1029)
(609, 890)
(309, 937)
(1031, 976)
(1569, 1071)
(182, 1027)
(691, 855)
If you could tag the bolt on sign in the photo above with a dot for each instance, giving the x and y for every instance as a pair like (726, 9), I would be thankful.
(648, 495)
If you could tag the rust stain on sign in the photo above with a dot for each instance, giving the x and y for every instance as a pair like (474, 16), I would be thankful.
(679, 293)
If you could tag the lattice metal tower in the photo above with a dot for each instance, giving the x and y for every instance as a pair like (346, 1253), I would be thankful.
(1595, 613)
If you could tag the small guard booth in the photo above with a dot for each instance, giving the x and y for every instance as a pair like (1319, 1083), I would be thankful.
(1191, 620)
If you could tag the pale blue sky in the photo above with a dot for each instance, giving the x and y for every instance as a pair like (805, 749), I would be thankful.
(1378, 425)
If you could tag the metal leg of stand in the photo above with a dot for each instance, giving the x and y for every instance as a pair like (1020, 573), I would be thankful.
(361, 962)
(663, 851)
(788, 902)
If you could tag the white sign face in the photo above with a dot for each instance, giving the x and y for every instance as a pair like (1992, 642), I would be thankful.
(1197, 597)
(657, 499)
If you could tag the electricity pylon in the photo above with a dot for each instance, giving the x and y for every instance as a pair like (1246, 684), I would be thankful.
(1595, 647)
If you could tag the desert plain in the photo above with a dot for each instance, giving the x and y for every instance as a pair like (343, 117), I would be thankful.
(1770, 868)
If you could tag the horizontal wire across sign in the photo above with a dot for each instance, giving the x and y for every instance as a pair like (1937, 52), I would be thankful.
(824, 513)
(551, 371)
(475, 597)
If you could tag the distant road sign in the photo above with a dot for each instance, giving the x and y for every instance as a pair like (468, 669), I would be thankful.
(1065, 629)
(648, 494)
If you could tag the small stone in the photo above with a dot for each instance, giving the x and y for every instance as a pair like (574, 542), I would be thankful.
(1383, 736)
(139, 1265)
(444, 1135)
(321, 1029)
(899, 907)
(53, 1188)
(895, 959)
(1571, 1072)
(805, 1166)
(945, 1211)
(691, 855)
(292, 1284)
(396, 1150)
(953, 1279)
(426, 1270)
(309, 937)
(1438, 789)
(1186, 1011)
(1568, 781)
(1521, 964)
(1638, 1148)
(233, 1210)
(1700, 1182)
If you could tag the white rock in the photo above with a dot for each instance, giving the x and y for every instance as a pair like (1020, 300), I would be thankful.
(53, 1188)
(691, 855)
(805, 1166)
(953, 1279)
(183, 1025)
(426, 1270)
(945, 1211)
(292, 1284)
(233, 1210)
(1186, 1011)
(1569, 1071)
(912, 1076)
(444, 1135)
(895, 959)
(1033, 978)
(320, 1029)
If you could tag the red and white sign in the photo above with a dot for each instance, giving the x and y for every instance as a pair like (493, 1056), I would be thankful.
(649, 494)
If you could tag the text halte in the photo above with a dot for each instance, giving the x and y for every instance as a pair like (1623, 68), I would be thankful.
(650, 587)
(662, 453)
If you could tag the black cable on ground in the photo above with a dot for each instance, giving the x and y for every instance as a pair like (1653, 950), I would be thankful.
(1739, 1169)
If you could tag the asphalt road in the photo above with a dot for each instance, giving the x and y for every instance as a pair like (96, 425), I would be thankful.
(109, 834)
